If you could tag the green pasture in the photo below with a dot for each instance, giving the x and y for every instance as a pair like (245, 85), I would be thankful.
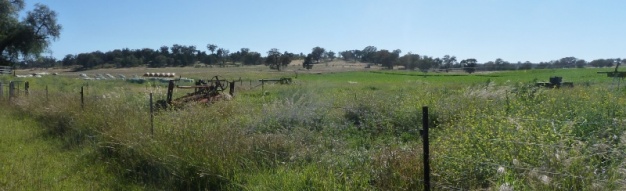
(352, 130)
(31, 159)
(586, 75)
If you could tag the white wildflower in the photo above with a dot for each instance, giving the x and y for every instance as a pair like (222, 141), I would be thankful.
(515, 162)
(506, 187)
(501, 170)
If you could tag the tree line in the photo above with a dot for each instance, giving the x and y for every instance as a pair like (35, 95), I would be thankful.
(173, 56)
(177, 56)
(181, 56)
(425, 63)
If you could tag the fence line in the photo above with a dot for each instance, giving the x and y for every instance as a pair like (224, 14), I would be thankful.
(427, 182)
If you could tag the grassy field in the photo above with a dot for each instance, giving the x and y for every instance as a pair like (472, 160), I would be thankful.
(31, 159)
(357, 129)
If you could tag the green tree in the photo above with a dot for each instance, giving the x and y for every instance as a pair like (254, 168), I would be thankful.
(286, 58)
(273, 59)
(566, 62)
(542, 65)
(368, 54)
(164, 50)
(330, 55)
(448, 62)
(28, 37)
(252, 58)
(409, 61)
(426, 63)
(69, 60)
(348, 55)
(159, 61)
(387, 59)
(580, 63)
(130, 61)
(211, 48)
(244, 51)
(469, 65)
(88, 60)
(308, 62)
(526, 66)
(437, 63)
(317, 53)
(222, 55)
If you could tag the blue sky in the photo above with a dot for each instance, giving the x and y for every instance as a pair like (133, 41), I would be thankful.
(521, 30)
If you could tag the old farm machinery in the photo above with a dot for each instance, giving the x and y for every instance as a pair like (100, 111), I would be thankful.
(555, 82)
(615, 73)
(205, 91)
(617, 76)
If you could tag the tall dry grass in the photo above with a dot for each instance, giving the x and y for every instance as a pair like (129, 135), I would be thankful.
(352, 137)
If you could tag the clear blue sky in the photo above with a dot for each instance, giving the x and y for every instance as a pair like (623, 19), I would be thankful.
(520, 30)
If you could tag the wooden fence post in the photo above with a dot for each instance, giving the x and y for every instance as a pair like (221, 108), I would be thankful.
(151, 116)
(425, 148)
(231, 88)
(11, 90)
(82, 98)
(26, 87)
(170, 91)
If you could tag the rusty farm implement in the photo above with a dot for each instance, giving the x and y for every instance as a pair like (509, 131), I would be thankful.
(205, 91)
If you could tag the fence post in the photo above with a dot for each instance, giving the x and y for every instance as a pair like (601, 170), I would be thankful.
(47, 100)
(1, 90)
(151, 116)
(424, 133)
(17, 89)
(11, 90)
(26, 87)
(170, 91)
(82, 98)
(231, 88)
